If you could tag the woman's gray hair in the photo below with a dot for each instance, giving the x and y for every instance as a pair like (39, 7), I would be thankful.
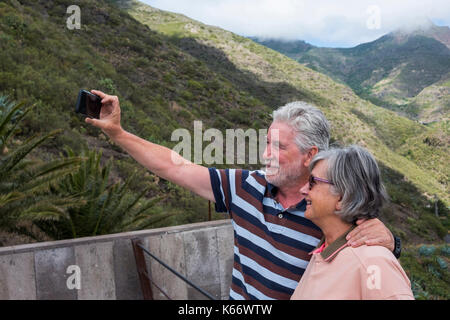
(310, 125)
(356, 178)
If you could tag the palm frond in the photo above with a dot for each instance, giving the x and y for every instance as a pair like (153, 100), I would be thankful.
(9, 132)
(57, 165)
(7, 198)
(47, 173)
(9, 111)
(50, 208)
(12, 159)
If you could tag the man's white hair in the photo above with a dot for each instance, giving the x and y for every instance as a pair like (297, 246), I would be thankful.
(309, 123)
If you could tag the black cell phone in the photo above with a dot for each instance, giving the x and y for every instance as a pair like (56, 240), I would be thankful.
(88, 104)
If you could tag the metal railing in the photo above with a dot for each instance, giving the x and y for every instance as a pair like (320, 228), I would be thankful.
(146, 279)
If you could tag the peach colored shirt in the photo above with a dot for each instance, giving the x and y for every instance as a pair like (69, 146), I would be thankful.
(365, 272)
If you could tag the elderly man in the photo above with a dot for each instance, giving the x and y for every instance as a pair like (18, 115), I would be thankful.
(272, 236)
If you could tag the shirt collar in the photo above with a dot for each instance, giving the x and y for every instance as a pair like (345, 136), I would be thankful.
(272, 192)
(331, 251)
(272, 189)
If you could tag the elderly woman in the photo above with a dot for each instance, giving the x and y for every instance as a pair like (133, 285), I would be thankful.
(345, 186)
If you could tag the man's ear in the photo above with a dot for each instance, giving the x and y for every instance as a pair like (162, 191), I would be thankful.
(310, 155)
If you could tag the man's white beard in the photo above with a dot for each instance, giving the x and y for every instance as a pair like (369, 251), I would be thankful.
(289, 174)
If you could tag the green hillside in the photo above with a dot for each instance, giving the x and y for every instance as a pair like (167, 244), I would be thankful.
(356, 119)
(169, 70)
(432, 103)
(161, 88)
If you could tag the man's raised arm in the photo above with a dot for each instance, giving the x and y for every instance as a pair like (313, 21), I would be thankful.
(160, 160)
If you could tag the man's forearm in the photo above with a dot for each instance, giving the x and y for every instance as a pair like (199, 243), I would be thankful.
(371, 232)
(166, 164)
(158, 159)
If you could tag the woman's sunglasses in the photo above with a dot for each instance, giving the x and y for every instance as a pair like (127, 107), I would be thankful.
(313, 180)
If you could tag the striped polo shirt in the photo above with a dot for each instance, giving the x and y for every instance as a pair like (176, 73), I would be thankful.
(271, 243)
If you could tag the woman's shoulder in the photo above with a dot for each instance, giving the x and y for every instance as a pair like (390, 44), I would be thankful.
(366, 251)
(367, 255)
(381, 274)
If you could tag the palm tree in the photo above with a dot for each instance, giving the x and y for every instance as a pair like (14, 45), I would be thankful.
(25, 183)
(108, 207)
(65, 198)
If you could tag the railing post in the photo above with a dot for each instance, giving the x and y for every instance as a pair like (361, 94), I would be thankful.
(141, 266)
(209, 210)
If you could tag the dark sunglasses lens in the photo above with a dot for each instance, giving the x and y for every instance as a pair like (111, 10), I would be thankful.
(311, 182)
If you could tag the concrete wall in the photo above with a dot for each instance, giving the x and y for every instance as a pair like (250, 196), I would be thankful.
(203, 252)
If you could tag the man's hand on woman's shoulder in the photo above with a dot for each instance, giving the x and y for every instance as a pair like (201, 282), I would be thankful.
(371, 232)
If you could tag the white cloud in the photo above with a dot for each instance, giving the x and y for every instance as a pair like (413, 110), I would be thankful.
(324, 22)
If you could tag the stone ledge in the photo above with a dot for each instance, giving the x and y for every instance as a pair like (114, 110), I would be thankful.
(110, 237)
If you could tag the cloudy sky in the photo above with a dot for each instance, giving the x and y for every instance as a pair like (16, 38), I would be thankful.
(330, 23)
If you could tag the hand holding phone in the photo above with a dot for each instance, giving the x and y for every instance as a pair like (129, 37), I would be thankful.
(109, 114)
(88, 104)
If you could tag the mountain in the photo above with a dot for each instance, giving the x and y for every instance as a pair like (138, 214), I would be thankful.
(169, 70)
(390, 71)
(293, 49)
(432, 104)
